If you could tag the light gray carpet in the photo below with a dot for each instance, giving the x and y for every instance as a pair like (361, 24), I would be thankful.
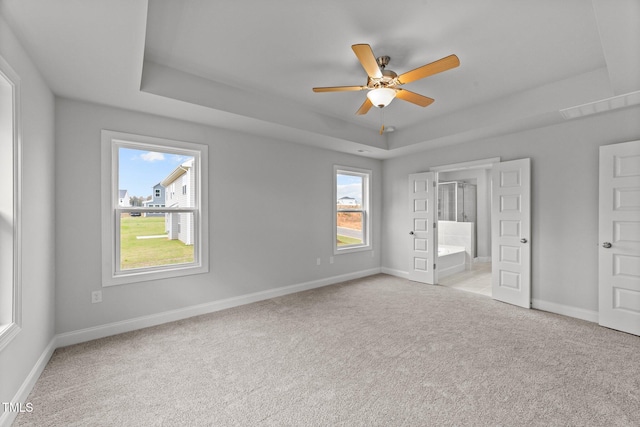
(379, 351)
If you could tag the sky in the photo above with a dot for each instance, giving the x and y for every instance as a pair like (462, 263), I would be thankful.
(349, 186)
(140, 170)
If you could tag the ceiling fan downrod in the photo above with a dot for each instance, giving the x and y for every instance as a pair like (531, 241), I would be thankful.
(383, 61)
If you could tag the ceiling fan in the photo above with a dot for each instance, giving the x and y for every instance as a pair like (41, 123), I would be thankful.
(384, 85)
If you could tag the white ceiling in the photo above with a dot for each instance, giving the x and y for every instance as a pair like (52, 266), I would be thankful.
(250, 65)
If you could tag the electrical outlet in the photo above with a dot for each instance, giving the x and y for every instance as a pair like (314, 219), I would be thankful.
(318, 261)
(330, 260)
(96, 296)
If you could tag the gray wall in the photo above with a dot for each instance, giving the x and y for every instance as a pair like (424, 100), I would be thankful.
(38, 198)
(564, 201)
(271, 213)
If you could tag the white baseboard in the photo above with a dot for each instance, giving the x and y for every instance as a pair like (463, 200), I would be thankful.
(482, 259)
(7, 417)
(88, 334)
(394, 272)
(565, 310)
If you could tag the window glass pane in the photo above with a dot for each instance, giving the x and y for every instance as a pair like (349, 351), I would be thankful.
(147, 178)
(349, 191)
(156, 239)
(6, 203)
(349, 228)
(350, 218)
(140, 173)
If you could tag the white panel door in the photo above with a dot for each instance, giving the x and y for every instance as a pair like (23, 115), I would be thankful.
(510, 232)
(619, 230)
(422, 234)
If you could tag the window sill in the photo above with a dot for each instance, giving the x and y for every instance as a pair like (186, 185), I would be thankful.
(7, 333)
(352, 249)
(148, 275)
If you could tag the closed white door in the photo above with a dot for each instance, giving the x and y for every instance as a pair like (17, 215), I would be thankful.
(423, 235)
(510, 232)
(619, 232)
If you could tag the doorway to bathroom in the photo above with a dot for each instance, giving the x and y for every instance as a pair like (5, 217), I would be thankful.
(508, 235)
(464, 225)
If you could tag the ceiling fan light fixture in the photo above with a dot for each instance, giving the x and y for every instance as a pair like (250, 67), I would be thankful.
(381, 97)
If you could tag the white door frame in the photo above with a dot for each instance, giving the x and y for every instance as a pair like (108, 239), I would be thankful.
(431, 277)
(487, 163)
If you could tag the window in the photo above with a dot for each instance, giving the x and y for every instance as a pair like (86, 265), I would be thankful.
(153, 242)
(352, 198)
(157, 193)
(10, 189)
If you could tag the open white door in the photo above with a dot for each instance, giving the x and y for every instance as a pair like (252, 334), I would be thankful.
(423, 234)
(619, 233)
(510, 232)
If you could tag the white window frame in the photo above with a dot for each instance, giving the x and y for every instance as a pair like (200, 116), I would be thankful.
(111, 273)
(11, 260)
(366, 175)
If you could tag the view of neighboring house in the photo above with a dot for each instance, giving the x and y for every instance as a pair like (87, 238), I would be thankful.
(157, 200)
(179, 192)
(124, 199)
(347, 201)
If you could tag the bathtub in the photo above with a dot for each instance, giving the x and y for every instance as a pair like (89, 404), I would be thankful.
(451, 259)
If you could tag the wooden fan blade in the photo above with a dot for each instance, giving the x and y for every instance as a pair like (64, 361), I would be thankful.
(338, 88)
(368, 60)
(436, 67)
(413, 97)
(364, 108)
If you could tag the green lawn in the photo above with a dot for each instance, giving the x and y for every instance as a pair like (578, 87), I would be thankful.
(139, 253)
(344, 240)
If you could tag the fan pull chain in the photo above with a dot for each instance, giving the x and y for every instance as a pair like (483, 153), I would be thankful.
(382, 121)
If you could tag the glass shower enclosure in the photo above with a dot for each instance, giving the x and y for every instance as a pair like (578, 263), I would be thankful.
(457, 201)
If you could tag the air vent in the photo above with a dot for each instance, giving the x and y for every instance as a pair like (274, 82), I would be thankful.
(620, 101)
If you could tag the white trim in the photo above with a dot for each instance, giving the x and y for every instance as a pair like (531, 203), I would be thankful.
(565, 310)
(474, 164)
(88, 334)
(367, 176)
(11, 330)
(82, 335)
(551, 307)
(111, 142)
(394, 272)
(6, 418)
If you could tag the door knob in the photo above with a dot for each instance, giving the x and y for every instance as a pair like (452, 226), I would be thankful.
(523, 240)
(606, 245)
(412, 233)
